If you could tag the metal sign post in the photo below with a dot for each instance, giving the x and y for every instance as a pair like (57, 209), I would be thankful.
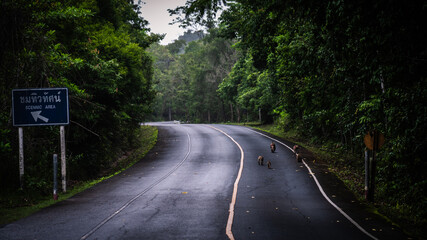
(373, 141)
(41, 107)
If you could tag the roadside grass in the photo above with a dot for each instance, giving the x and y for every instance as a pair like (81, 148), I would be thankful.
(18, 204)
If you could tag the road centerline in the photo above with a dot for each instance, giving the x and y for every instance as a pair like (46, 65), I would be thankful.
(236, 185)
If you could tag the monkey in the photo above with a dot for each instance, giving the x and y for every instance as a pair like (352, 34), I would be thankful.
(272, 147)
(269, 164)
(298, 156)
(296, 148)
(260, 160)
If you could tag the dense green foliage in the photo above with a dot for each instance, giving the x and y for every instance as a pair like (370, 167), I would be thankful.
(15, 205)
(187, 77)
(95, 48)
(333, 70)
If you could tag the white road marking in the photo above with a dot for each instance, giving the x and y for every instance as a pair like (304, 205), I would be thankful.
(321, 189)
(141, 193)
(236, 185)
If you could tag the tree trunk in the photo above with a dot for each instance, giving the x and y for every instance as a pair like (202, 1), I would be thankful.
(222, 111)
(231, 110)
(238, 114)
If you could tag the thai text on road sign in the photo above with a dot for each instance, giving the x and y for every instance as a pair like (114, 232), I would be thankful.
(40, 106)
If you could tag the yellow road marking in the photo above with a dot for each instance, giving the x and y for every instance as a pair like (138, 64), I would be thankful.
(236, 185)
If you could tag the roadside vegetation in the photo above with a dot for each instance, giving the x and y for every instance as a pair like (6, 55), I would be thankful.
(18, 204)
(96, 49)
(349, 168)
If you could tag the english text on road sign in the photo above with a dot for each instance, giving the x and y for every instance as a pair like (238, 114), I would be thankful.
(40, 106)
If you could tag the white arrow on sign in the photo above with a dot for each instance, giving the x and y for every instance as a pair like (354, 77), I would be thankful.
(36, 115)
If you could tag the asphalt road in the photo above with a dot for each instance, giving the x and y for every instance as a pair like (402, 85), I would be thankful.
(183, 189)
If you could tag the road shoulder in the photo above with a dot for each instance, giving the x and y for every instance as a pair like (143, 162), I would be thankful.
(365, 214)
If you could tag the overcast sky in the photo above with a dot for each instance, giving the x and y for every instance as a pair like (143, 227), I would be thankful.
(156, 13)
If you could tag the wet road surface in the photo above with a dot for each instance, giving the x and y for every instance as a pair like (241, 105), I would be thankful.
(183, 189)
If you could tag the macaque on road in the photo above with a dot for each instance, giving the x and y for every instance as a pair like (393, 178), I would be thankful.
(272, 147)
(260, 160)
(298, 156)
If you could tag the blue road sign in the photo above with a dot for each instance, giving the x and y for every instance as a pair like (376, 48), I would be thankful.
(40, 107)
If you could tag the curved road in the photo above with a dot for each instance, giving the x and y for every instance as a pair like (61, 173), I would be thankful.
(183, 189)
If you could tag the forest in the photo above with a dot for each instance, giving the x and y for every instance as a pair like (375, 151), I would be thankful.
(96, 49)
(329, 70)
(187, 75)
